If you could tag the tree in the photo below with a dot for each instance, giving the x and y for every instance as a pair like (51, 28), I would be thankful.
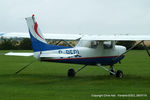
(7, 44)
(25, 44)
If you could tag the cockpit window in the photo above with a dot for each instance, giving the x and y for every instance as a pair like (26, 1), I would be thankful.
(94, 44)
(88, 43)
(107, 44)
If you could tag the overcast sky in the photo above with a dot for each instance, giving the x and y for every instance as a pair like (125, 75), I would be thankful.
(77, 16)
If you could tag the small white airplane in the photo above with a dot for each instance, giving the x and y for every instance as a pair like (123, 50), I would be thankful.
(99, 50)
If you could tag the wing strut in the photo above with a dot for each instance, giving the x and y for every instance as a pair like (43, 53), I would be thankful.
(146, 48)
(24, 67)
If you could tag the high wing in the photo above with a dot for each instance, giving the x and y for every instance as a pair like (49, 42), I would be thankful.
(121, 37)
(50, 36)
(14, 35)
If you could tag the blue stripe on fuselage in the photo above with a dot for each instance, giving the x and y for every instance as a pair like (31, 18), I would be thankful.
(40, 46)
(88, 61)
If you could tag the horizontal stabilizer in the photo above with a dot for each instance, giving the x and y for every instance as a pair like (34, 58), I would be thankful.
(18, 54)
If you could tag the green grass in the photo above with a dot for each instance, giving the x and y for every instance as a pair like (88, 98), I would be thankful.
(49, 81)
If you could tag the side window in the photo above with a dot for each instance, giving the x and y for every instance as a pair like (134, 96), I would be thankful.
(94, 44)
(107, 44)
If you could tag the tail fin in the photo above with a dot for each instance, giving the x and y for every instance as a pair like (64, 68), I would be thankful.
(38, 41)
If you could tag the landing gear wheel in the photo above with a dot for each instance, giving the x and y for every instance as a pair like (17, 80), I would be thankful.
(119, 74)
(71, 72)
(112, 71)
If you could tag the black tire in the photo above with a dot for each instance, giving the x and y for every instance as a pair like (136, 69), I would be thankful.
(119, 74)
(71, 72)
(112, 71)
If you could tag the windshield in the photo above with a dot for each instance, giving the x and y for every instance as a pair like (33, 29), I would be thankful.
(107, 44)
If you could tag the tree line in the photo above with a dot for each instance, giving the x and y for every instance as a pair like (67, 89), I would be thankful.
(13, 44)
(25, 44)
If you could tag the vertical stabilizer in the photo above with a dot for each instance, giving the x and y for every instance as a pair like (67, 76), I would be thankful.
(38, 41)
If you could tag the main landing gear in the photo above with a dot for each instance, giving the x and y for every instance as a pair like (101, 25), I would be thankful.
(118, 74)
(72, 73)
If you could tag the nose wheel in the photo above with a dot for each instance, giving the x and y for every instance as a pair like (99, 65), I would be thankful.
(119, 74)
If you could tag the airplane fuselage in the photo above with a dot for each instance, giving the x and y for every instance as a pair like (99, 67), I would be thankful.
(83, 55)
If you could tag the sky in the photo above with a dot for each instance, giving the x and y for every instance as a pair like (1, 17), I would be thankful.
(77, 16)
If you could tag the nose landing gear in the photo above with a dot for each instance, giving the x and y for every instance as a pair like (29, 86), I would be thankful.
(118, 74)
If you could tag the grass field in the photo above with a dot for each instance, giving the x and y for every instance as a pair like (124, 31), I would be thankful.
(49, 81)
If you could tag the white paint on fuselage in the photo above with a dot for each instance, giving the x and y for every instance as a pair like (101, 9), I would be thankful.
(81, 52)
